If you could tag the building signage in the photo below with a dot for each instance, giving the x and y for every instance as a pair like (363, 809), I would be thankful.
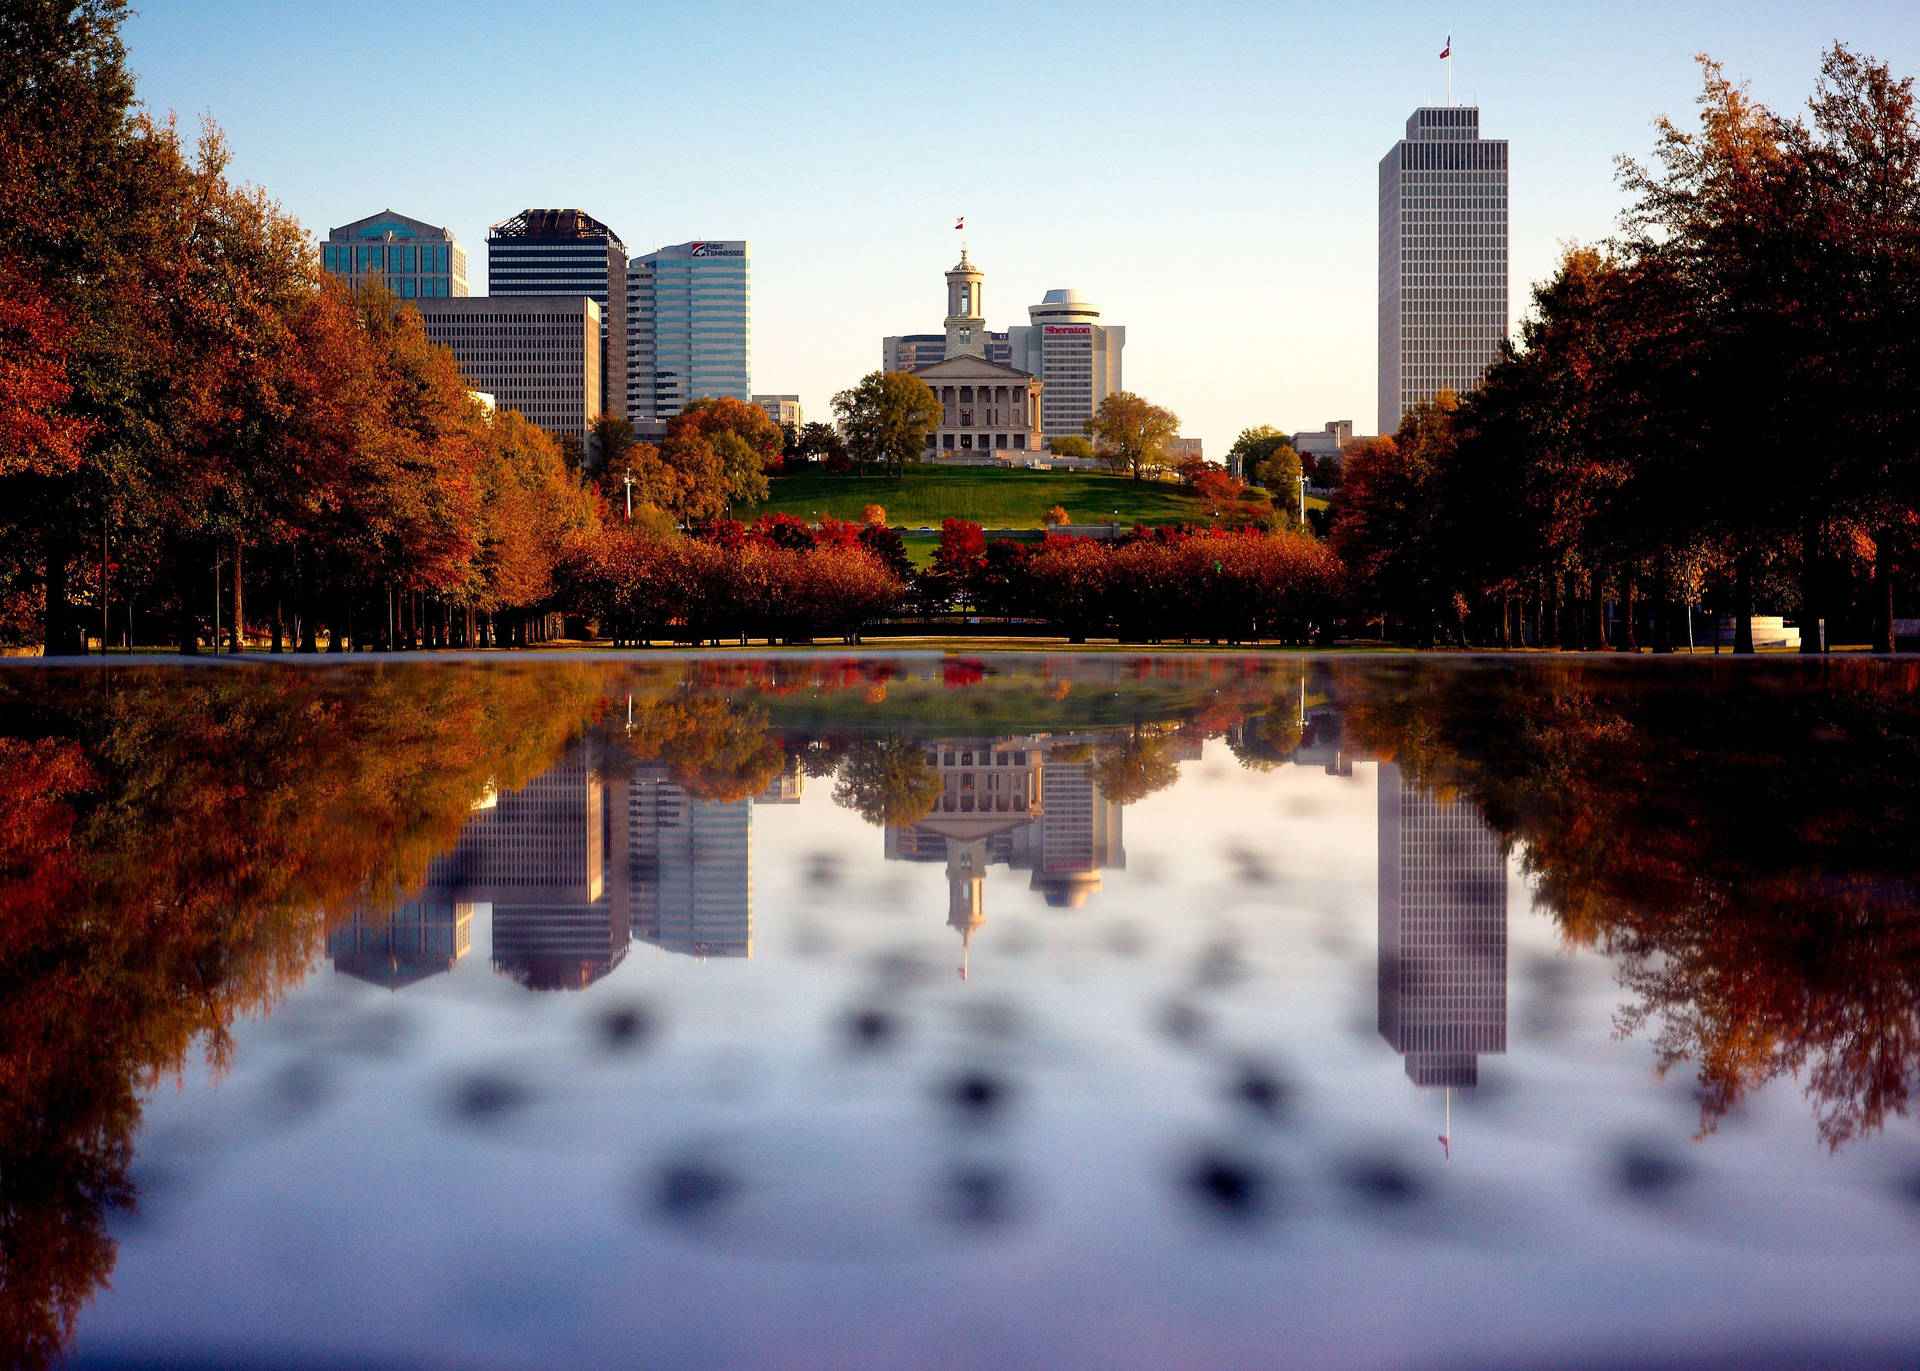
(1077, 330)
(715, 250)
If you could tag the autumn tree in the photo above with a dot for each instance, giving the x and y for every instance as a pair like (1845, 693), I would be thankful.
(1130, 432)
(886, 419)
(888, 782)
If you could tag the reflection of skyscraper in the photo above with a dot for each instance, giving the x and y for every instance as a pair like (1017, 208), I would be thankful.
(1443, 934)
(412, 941)
(683, 868)
(537, 855)
(1079, 835)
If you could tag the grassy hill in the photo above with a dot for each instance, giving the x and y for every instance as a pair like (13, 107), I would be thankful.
(994, 497)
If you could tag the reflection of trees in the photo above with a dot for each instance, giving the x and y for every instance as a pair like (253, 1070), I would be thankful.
(888, 782)
(1268, 740)
(170, 844)
(714, 749)
(1741, 842)
(1134, 768)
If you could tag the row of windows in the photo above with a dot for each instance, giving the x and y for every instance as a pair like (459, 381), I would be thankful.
(342, 258)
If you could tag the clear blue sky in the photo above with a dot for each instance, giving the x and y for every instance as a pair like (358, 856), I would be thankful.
(1206, 173)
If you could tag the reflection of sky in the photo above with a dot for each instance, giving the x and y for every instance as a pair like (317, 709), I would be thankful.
(466, 1173)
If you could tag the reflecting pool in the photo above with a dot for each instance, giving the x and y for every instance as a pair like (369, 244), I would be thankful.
(942, 1011)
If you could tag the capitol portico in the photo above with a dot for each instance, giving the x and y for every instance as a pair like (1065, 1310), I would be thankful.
(988, 410)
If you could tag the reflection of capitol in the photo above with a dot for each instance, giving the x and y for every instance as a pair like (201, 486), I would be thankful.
(1443, 934)
(1016, 802)
(575, 866)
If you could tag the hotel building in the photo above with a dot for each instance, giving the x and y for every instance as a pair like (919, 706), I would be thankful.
(688, 327)
(1075, 356)
(1443, 259)
(416, 260)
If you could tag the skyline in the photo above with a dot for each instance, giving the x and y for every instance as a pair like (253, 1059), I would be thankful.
(1240, 251)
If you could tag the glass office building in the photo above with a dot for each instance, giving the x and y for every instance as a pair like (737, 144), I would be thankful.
(688, 327)
(417, 260)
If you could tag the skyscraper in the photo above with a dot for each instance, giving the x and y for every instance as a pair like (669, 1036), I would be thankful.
(1443, 934)
(1074, 355)
(688, 327)
(417, 260)
(1443, 258)
(567, 252)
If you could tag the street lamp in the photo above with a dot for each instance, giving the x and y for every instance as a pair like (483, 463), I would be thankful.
(626, 478)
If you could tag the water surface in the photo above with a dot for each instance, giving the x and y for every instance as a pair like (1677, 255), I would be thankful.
(1090, 1011)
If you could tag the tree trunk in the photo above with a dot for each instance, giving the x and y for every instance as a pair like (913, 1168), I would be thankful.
(1812, 588)
(1627, 637)
(57, 634)
(1596, 586)
(1883, 639)
(238, 638)
(279, 629)
(1742, 604)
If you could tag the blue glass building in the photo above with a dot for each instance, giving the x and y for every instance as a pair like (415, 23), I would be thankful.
(688, 327)
(417, 260)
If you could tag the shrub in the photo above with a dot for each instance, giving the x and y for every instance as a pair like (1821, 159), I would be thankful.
(1055, 517)
(873, 514)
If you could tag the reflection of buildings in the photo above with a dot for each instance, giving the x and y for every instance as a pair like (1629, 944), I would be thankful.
(538, 856)
(682, 868)
(1443, 934)
(415, 940)
(1011, 801)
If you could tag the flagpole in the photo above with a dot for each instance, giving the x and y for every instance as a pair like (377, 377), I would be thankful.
(1449, 71)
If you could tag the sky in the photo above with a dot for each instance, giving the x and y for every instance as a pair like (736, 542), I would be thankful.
(1205, 173)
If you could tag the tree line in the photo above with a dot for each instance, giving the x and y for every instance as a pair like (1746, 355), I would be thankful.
(1719, 407)
(198, 429)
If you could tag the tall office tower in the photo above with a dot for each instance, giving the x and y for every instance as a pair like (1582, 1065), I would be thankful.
(1443, 934)
(1443, 258)
(417, 260)
(538, 856)
(567, 252)
(683, 868)
(1079, 835)
(689, 329)
(400, 946)
(1074, 355)
(537, 354)
(784, 410)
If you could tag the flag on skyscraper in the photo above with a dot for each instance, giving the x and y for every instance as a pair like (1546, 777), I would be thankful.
(1447, 51)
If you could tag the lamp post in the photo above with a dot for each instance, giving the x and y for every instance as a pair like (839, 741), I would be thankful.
(626, 478)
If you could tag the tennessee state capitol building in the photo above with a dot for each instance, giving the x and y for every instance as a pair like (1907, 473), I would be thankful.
(1003, 395)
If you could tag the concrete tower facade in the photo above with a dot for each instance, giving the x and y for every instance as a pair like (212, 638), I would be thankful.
(1443, 259)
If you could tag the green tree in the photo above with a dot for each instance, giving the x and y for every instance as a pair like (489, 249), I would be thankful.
(1253, 447)
(1069, 445)
(889, 782)
(1129, 432)
(608, 438)
(886, 419)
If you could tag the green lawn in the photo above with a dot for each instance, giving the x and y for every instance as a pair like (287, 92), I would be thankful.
(994, 497)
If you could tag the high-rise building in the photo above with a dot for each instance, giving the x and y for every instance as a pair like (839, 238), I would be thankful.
(688, 327)
(1443, 258)
(1443, 933)
(1075, 356)
(417, 260)
(567, 252)
(682, 868)
(537, 354)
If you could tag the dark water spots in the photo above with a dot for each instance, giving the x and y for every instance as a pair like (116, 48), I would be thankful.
(1380, 1182)
(301, 1087)
(689, 1191)
(1647, 1173)
(1220, 964)
(487, 1098)
(980, 1196)
(870, 1029)
(1259, 1090)
(1230, 1187)
(976, 1099)
(624, 1028)
(1182, 1022)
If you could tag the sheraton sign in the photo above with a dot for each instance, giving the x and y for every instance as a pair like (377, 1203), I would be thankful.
(1071, 330)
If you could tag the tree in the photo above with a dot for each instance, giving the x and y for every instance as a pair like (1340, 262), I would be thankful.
(886, 419)
(1278, 471)
(1129, 432)
(1254, 446)
(889, 782)
(608, 438)
(1069, 445)
(873, 514)
(1055, 516)
(818, 442)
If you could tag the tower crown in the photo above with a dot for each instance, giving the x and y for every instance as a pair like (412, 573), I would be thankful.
(966, 321)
